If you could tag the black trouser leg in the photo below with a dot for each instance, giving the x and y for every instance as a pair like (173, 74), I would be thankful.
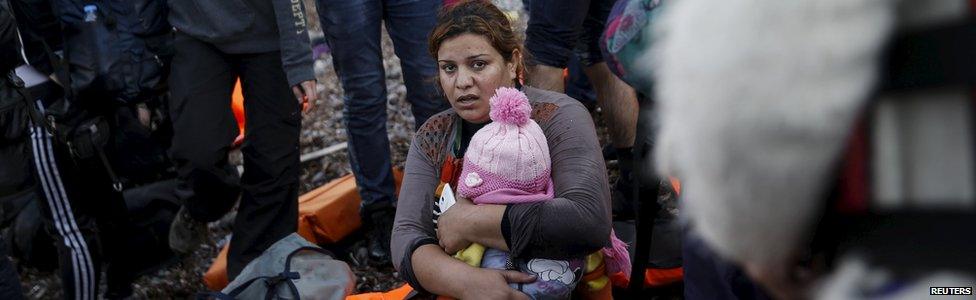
(269, 204)
(201, 83)
(9, 281)
(88, 216)
(74, 232)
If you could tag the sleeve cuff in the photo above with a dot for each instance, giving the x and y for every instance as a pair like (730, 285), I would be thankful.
(299, 74)
(507, 227)
(406, 266)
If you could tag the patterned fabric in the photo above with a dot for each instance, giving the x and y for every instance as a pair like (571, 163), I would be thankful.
(557, 279)
(624, 39)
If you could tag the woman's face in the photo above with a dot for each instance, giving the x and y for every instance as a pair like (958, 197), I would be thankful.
(470, 72)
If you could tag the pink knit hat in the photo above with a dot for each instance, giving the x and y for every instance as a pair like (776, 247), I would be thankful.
(507, 161)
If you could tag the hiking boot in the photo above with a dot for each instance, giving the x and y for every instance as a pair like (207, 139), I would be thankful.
(186, 234)
(378, 237)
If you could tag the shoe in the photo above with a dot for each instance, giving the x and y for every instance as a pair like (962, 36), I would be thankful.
(186, 234)
(378, 237)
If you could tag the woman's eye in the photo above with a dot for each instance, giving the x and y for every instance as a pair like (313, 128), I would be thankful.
(449, 68)
(478, 65)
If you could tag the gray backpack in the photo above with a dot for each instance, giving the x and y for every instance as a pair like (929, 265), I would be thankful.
(292, 268)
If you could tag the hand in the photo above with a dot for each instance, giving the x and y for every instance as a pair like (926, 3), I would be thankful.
(451, 225)
(144, 115)
(306, 94)
(493, 284)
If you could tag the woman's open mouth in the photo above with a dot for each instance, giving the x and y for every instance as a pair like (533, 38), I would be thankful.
(467, 99)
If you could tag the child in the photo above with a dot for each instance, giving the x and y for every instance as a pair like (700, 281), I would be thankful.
(507, 162)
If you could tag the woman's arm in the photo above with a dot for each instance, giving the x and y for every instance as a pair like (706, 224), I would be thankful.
(467, 223)
(575, 223)
(416, 255)
(444, 275)
(413, 225)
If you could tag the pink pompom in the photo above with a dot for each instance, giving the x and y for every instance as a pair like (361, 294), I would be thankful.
(510, 106)
(616, 257)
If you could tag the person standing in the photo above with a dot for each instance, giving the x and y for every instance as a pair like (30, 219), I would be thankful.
(75, 150)
(352, 29)
(265, 43)
(559, 29)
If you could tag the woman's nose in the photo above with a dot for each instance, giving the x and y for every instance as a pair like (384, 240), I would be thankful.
(465, 79)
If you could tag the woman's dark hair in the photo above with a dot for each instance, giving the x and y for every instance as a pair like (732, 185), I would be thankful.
(482, 18)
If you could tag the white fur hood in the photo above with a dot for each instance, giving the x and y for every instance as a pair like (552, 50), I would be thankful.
(757, 98)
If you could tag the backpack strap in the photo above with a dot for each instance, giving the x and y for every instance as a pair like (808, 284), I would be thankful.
(287, 276)
(213, 295)
(270, 281)
(32, 111)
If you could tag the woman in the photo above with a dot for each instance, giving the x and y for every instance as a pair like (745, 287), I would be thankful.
(477, 52)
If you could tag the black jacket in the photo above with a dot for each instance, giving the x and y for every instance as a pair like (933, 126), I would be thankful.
(10, 56)
(15, 176)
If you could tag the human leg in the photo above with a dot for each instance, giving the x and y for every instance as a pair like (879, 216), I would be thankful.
(553, 31)
(78, 248)
(269, 203)
(201, 82)
(352, 29)
(409, 25)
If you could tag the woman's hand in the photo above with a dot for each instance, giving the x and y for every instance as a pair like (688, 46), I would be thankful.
(493, 284)
(451, 226)
(443, 275)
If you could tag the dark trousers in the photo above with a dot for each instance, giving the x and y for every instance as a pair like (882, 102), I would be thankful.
(88, 216)
(560, 28)
(201, 83)
(9, 281)
(352, 29)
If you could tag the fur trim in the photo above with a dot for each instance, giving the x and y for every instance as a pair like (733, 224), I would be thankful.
(756, 99)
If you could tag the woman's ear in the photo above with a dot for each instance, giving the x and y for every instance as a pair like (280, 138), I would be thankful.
(513, 65)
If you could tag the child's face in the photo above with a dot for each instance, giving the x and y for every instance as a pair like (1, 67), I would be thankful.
(470, 72)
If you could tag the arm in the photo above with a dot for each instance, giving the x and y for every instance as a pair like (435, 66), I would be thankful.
(467, 223)
(413, 226)
(582, 194)
(296, 51)
(423, 264)
(436, 273)
(444, 275)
